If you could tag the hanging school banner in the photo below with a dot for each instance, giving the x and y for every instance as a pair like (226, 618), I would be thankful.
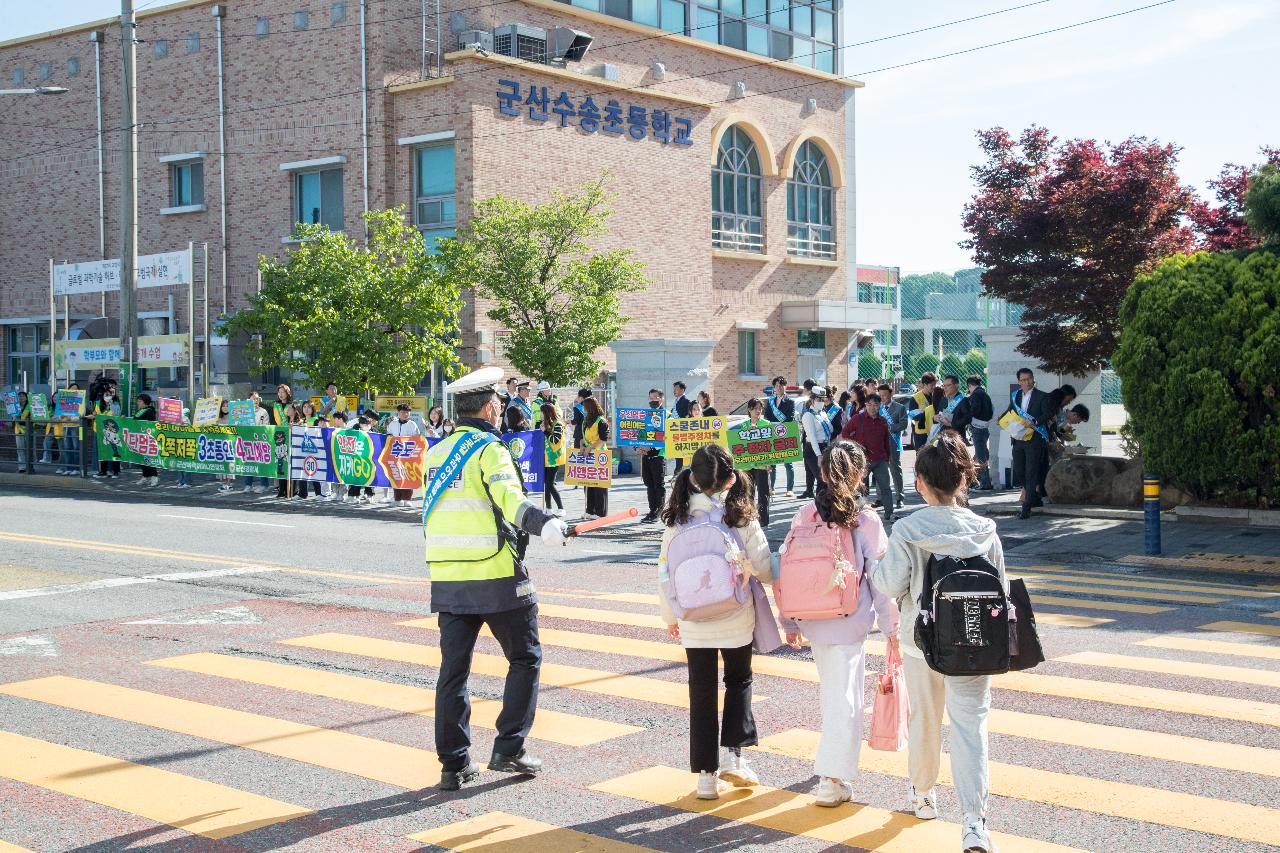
(242, 413)
(765, 444)
(170, 411)
(589, 468)
(256, 451)
(357, 458)
(685, 435)
(528, 451)
(207, 411)
(68, 404)
(639, 427)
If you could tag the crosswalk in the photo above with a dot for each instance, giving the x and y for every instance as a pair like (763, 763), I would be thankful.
(1170, 702)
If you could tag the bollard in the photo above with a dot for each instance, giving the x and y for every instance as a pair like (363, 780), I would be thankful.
(1151, 514)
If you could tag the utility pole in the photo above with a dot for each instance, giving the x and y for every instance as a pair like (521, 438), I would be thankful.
(128, 194)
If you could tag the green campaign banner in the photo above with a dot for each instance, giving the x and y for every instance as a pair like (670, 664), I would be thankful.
(258, 451)
(764, 444)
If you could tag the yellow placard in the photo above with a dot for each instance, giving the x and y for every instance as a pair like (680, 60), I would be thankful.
(389, 402)
(1013, 424)
(685, 435)
(207, 409)
(342, 403)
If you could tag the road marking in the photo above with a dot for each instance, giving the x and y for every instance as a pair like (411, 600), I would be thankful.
(402, 766)
(25, 577)
(1213, 647)
(1275, 615)
(1100, 796)
(673, 693)
(499, 832)
(1184, 597)
(6, 847)
(1069, 620)
(1247, 563)
(1090, 604)
(553, 726)
(798, 670)
(193, 805)
(852, 824)
(226, 520)
(606, 617)
(225, 616)
(111, 583)
(33, 646)
(1186, 669)
(1230, 590)
(1243, 628)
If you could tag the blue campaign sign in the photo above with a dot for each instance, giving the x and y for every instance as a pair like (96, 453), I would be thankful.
(640, 427)
(610, 118)
(528, 451)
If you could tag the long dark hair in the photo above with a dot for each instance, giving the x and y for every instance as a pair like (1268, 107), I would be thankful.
(710, 472)
(550, 417)
(843, 465)
(947, 466)
(591, 408)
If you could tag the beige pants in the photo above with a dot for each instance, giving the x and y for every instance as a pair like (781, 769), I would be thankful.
(966, 700)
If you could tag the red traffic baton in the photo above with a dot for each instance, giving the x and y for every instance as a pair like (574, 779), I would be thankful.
(596, 523)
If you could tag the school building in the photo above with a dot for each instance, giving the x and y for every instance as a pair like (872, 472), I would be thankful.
(725, 129)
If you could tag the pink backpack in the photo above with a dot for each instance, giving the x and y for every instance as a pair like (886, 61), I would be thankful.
(817, 573)
(704, 575)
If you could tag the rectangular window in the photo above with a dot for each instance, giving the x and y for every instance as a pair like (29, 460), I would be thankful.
(29, 354)
(618, 8)
(802, 52)
(779, 45)
(262, 28)
(337, 13)
(435, 194)
(734, 34)
(755, 11)
(707, 26)
(779, 14)
(731, 7)
(187, 181)
(593, 5)
(825, 60)
(301, 20)
(46, 70)
(645, 12)
(318, 198)
(746, 353)
(865, 293)
(161, 48)
(19, 77)
(802, 20)
(673, 16)
(758, 40)
(824, 25)
(806, 339)
(73, 66)
(193, 42)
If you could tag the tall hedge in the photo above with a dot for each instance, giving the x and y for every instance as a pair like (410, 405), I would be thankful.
(1199, 358)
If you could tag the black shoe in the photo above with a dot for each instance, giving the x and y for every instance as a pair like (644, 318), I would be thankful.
(899, 503)
(1024, 514)
(649, 518)
(522, 763)
(876, 504)
(452, 780)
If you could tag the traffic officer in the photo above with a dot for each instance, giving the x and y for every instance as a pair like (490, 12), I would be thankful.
(477, 522)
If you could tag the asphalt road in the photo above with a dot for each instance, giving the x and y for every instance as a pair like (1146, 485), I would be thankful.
(176, 675)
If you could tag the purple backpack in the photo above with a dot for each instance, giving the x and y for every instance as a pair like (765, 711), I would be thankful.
(705, 573)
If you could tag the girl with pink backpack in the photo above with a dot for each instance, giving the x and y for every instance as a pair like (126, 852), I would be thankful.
(824, 592)
(713, 557)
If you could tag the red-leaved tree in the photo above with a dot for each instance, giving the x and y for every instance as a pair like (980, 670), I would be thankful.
(1063, 228)
(1221, 227)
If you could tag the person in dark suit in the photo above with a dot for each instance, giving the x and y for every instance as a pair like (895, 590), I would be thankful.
(981, 412)
(779, 408)
(1031, 456)
(680, 405)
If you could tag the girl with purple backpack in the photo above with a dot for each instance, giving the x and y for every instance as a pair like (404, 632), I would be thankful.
(713, 553)
(837, 640)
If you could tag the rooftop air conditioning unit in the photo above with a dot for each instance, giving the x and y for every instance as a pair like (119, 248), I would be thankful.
(569, 45)
(521, 41)
(472, 39)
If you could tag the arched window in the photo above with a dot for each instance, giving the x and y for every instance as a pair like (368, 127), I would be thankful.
(737, 222)
(811, 205)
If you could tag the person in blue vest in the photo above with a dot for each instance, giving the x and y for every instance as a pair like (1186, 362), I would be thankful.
(477, 522)
(779, 408)
(521, 401)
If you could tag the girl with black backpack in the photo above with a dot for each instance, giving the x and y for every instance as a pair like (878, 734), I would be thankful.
(946, 531)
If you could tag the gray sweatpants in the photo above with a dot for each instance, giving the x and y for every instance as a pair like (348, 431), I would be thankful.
(878, 473)
(966, 700)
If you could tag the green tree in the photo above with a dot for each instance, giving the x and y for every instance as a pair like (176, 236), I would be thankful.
(1262, 204)
(975, 362)
(953, 364)
(922, 364)
(372, 318)
(560, 299)
(916, 289)
(870, 365)
(1208, 322)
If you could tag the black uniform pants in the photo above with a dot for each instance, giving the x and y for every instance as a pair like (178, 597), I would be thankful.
(760, 482)
(812, 475)
(738, 727)
(517, 632)
(1030, 465)
(653, 470)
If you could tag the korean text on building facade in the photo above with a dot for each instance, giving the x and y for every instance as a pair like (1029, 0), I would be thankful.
(608, 117)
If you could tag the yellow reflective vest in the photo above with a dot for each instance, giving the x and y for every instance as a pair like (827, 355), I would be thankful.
(472, 554)
(925, 404)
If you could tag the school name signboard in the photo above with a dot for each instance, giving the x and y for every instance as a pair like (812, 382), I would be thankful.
(640, 427)
(165, 268)
(607, 118)
(765, 444)
(685, 435)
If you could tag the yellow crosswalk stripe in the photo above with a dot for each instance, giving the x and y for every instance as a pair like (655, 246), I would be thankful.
(1118, 799)
(1090, 604)
(1243, 628)
(499, 832)
(1216, 672)
(1186, 597)
(1229, 590)
(553, 726)
(1213, 562)
(855, 825)
(403, 766)
(673, 693)
(604, 617)
(6, 847)
(1214, 647)
(1275, 615)
(650, 649)
(193, 805)
(1068, 620)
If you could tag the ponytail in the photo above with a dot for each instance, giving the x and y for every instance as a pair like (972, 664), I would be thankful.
(711, 472)
(947, 466)
(677, 509)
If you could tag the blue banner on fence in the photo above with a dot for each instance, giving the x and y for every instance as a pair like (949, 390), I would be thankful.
(529, 453)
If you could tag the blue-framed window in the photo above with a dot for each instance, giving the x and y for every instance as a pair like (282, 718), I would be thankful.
(811, 205)
(435, 205)
(737, 220)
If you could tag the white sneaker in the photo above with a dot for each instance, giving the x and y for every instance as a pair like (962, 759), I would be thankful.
(259, 490)
(975, 836)
(831, 793)
(924, 805)
(115, 476)
(711, 786)
(734, 770)
(59, 472)
(248, 489)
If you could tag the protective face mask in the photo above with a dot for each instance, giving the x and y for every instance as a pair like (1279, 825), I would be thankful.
(654, 405)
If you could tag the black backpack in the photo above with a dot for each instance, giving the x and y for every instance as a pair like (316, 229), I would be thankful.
(963, 625)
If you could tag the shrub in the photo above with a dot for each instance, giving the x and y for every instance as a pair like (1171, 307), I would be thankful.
(922, 364)
(954, 365)
(975, 361)
(1262, 204)
(870, 365)
(1199, 361)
